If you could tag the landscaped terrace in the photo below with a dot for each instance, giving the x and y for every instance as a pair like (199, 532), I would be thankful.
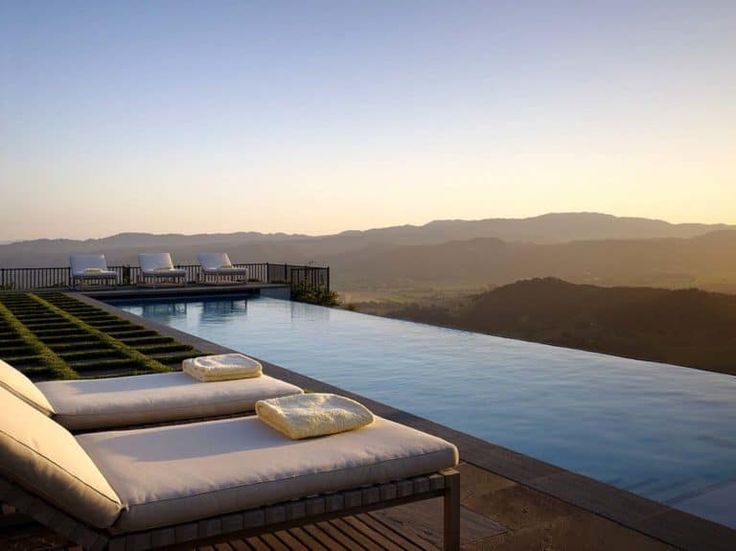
(509, 501)
(54, 336)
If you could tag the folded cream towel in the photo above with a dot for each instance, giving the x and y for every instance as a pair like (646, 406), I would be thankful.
(307, 415)
(93, 270)
(222, 367)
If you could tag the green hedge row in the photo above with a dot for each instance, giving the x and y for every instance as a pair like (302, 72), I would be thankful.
(130, 352)
(47, 356)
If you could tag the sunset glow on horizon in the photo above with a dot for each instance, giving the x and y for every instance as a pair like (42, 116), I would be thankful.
(316, 118)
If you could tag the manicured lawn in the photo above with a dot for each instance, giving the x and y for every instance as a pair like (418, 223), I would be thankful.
(55, 336)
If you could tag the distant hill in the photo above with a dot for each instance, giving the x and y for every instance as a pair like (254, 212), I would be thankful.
(704, 261)
(684, 327)
(579, 247)
(547, 228)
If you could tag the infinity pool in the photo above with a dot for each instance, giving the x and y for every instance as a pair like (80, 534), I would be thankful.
(661, 431)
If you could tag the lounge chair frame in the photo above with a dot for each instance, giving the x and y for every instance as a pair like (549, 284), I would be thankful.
(209, 277)
(161, 279)
(251, 522)
(106, 281)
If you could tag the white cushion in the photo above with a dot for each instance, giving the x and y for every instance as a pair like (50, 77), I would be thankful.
(166, 272)
(174, 474)
(42, 457)
(141, 399)
(158, 264)
(214, 261)
(14, 381)
(81, 262)
(226, 270)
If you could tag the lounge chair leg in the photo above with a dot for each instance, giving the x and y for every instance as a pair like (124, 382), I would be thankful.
(452, 511)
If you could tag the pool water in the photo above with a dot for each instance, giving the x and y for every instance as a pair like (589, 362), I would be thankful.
(661, 431)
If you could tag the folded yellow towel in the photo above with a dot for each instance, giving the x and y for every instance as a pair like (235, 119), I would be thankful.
(93, 270)
(308, 415)
(222, 367)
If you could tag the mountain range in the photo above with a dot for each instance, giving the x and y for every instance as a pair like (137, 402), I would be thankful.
(579, 247)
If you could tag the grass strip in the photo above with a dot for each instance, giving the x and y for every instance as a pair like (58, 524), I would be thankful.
(48, 357)
(132, 353)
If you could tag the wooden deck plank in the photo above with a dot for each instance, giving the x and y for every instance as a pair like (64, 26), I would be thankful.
(340, 536)
(374, 532)
(405, 534)
(290, 541)
(355, 535)
(257, 544)
(325, 539)
(361, 532)
(274, 543)
(309, 541)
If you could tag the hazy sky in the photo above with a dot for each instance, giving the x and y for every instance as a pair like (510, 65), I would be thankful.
(318, 116)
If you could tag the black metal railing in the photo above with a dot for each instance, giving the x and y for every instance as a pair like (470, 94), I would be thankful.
(25, 279)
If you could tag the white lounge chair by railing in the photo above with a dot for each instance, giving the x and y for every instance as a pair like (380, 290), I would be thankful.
(90, 268)
(158, 267)
(216, 267)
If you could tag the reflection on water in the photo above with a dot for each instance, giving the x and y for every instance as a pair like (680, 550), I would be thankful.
(164, 312)
(307, 312)
(222, 309)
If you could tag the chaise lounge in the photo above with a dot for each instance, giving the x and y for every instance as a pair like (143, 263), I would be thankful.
(157, 268)
(90, 268)
(217, 268)
(212, 481)
(93, 404)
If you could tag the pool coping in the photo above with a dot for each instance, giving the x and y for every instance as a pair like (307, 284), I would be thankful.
(650, 518)
(165, 292)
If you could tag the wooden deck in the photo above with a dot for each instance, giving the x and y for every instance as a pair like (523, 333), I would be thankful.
(380, 530)
(365, 532)
(192, 290)
(496, 514)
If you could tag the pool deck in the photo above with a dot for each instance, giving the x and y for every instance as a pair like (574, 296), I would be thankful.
(276, 290)
(509, 501)
(513, 501)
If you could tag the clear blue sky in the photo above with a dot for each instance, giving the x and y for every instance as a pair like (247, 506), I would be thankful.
(327, 115)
